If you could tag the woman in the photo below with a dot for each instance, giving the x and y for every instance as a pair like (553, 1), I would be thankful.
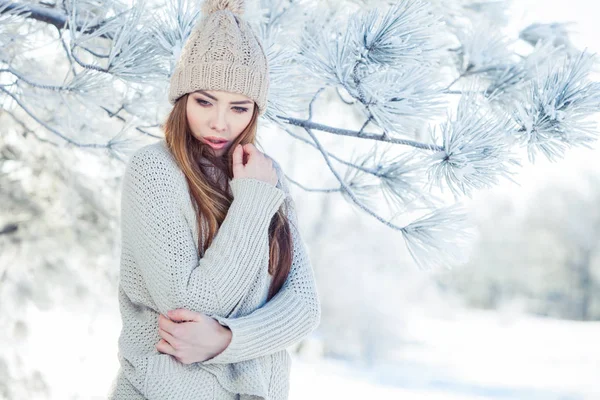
(215, 281)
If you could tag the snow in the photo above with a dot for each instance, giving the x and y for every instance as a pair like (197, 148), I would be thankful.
(448, 353)
(459, 354)
(468, 355)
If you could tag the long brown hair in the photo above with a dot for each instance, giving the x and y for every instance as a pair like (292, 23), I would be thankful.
(212, 199)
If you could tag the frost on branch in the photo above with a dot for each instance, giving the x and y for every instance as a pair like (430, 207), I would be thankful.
(554, 114)
(439, 238)
(476, 149)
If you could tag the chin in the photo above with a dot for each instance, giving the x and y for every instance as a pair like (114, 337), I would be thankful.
(219, 153)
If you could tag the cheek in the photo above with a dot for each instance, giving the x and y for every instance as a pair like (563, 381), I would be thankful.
(195, 119)
(242, 121)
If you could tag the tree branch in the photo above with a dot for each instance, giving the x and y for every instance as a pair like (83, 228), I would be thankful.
(347, 189)
(26, 129)
(49, 16)
(307, 124)
(312, 189)
(35, 84)
(45, 125)
(338, 159)
(43, 14)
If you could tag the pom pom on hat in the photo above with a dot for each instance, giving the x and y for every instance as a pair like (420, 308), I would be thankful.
(235, 6)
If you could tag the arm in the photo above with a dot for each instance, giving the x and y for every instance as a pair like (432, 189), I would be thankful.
(292, 314)
(154, 191)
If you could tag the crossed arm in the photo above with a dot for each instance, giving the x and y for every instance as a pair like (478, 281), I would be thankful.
(215, 283)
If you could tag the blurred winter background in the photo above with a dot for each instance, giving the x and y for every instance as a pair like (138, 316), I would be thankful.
(520, 320)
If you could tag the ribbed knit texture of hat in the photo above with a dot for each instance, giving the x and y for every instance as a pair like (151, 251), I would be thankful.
(222, 53)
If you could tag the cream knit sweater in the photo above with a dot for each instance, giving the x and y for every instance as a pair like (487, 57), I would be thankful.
(162, 270)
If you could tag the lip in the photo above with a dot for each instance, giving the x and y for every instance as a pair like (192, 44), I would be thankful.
(215, 145)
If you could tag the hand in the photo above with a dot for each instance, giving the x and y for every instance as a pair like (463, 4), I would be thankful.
(258, 166)
(190, 336)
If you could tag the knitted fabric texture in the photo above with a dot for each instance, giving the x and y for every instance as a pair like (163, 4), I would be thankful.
(161, 270)
(222, 53)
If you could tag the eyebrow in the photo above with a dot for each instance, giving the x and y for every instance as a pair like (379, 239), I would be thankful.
(214, 98)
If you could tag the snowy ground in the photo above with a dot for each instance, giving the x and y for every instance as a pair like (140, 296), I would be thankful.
(471, 355)
(467, 355)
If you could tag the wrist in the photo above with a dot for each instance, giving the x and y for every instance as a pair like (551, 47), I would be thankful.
(223, 338)
(227, 335)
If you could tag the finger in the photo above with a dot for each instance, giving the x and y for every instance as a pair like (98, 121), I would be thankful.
(237, 157)
(167, 325)
(164, 347)
(181, 314)
(166, 335)
(250, 149)
(253, 153)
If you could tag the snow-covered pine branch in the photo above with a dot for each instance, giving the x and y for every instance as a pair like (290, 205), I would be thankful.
(395, 67)
(560, 100)
(477, 148)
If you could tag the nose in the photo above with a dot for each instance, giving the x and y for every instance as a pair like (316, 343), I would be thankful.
(218, 122)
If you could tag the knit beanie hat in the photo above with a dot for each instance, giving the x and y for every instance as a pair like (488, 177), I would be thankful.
(222, 53)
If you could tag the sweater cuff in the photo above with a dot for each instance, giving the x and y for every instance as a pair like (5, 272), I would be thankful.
(256, 336)
(235, 347)
(254, 194)
(224, 357)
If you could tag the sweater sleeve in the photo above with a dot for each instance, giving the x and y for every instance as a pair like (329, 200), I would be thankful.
(154, 190)
(291, 315)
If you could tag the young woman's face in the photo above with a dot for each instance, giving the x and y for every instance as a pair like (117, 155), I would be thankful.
(218, 114)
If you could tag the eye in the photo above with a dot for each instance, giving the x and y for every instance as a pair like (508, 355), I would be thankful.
(239, 110)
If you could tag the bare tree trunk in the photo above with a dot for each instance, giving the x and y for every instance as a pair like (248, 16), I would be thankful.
(584, 285)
